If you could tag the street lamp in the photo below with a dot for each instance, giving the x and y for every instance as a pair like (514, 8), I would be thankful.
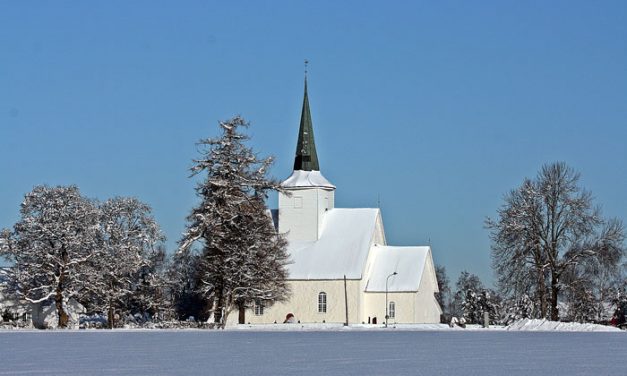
(386, 298)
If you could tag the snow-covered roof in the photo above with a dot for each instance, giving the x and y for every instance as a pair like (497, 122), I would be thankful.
(307, 179)
(408, 262)
(342, 248)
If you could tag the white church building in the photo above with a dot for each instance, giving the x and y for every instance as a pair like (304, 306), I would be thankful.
(342, 268)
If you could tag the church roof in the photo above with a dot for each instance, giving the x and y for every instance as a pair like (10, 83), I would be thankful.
(408, 262)
(342, 248)
(307, 179)
(306, 157)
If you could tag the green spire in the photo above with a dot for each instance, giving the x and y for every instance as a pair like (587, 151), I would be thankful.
(306, 157)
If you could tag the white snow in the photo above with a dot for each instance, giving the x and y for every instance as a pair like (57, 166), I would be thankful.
(350, 352)
(342, 248)
(546, 325)
(307, 179)
(408, 262)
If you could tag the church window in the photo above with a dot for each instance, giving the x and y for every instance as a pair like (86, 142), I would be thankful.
(322, 302)
(392, 310)
(258, 308)
(298, 202)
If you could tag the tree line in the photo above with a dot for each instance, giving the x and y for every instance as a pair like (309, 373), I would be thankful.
(109, 256)
(554, 256)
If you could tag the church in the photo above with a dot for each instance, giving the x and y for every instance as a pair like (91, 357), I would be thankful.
(342, 269)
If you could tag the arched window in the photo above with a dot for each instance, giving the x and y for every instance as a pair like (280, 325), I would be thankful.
(322, 302)
(392, 310)
(258, 308)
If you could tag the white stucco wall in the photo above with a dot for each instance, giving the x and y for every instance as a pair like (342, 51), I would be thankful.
(374, 306)
(411, 306)
(427, 307)
(302, 213)
(303, 304)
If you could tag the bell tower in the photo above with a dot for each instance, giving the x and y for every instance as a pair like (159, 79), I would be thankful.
(310, 195)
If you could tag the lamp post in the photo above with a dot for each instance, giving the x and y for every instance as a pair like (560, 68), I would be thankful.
(386, 298)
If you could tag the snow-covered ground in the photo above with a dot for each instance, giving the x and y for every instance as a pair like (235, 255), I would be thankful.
(314, 352)
(546, 325)
(522, 325)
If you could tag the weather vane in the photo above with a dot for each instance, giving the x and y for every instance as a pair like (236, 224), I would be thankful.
(306, 62)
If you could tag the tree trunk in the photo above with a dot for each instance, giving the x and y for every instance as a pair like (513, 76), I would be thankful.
(110, 315)
(542, 293)
(218, 309)
(63, 316)
(242, 315)
(58, 298)
(554, 292)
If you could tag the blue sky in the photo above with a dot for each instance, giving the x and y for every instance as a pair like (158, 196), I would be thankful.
(437, 108)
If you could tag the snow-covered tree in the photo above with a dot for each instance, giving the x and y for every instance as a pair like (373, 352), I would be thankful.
(518, 309)
(547, 227)
(582, 305)
(150, 298)
(243, 257)
(183, 287)
(465, 283)
(52, 247)
(129, 250)
(444, 295)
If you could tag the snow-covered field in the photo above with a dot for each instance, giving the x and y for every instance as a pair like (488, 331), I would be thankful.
(336, 352)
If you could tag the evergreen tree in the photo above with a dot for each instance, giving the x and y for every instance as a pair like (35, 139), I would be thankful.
(467, 282)
(444, 295)
(518, 309)
(243, 257)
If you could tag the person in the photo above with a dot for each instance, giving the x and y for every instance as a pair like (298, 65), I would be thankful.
(620, 314)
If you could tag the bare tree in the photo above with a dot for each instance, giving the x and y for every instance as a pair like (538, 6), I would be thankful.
(130, 240)
(547, 227)
(517, 254)
(52, 246)
(183, 278)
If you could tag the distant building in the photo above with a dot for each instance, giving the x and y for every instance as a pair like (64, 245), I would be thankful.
(340, 257)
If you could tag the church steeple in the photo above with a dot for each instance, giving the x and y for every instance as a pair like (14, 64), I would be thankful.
(307, 196)
(306, 156)
(306, 173)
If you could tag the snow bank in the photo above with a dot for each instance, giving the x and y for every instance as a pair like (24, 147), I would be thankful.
(546, 325)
